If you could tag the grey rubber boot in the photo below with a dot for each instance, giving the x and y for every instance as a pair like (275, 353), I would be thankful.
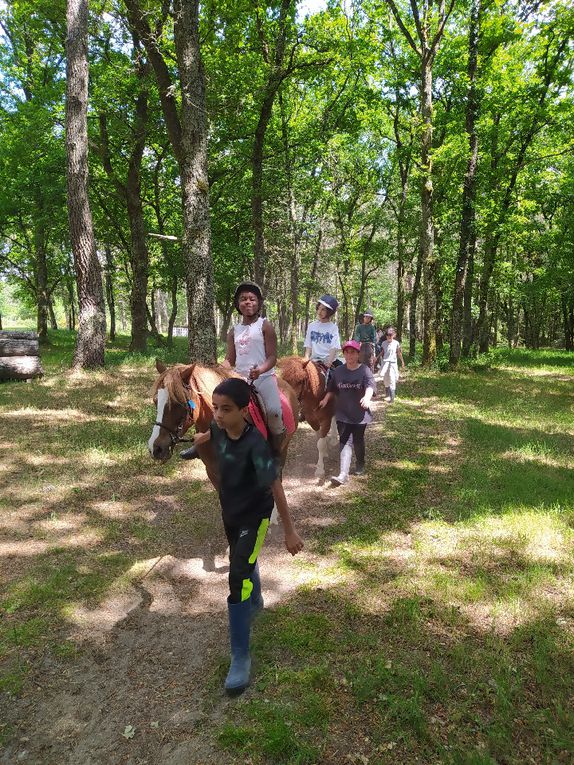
(237, 678)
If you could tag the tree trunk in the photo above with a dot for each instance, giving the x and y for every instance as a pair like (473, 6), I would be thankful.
(195, 185)
(188, 138)
(91, 339)
(467, 221)
(467, 324)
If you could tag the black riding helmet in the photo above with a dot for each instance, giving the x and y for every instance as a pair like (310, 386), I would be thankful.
(247, 287)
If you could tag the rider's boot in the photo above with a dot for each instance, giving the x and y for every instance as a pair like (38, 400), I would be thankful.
(189, 454)
(276, 442)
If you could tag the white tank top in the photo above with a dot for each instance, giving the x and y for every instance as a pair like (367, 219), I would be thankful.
(250, 347)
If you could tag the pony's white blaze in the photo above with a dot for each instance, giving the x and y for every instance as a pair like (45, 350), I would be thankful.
(162, 397)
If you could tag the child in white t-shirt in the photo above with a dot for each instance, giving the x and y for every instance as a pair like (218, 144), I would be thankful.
(390, 351)
(322, 341)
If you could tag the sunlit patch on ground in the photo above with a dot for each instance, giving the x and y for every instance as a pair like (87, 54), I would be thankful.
(36, 417)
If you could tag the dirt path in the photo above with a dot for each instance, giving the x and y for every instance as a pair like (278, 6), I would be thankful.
(145, 666)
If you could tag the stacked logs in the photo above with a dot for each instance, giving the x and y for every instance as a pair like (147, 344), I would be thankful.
(19, 356)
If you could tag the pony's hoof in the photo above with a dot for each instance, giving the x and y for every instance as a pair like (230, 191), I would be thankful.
(319, 474)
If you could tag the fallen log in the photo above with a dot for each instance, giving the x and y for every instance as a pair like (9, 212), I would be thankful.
(9, 333)
(12, 346)
(20, 367)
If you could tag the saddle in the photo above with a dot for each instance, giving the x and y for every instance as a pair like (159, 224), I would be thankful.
(258, 414)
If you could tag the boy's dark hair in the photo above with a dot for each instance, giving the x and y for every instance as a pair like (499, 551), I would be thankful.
(236, 389)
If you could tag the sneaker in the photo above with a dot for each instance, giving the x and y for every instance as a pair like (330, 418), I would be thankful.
(338, 480)
(359, 470)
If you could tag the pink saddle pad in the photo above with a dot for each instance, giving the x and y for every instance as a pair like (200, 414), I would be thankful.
(259, 422)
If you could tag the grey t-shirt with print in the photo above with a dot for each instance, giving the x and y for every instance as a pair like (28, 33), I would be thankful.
(350, 386)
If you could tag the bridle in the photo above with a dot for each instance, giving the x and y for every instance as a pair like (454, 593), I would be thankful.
(190, 417)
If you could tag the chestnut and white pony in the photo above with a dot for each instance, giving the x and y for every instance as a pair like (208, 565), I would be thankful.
(183, 395)
(308, 380)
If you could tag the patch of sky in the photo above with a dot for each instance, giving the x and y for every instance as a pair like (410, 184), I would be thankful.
(309, 8)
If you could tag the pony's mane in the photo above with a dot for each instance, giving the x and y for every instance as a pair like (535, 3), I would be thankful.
(297, 370)
(201, 379)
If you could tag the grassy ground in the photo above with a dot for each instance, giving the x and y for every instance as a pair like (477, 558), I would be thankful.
(449, 635)
(439, 626)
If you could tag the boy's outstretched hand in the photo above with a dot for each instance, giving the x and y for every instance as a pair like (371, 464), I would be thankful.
(293, 542)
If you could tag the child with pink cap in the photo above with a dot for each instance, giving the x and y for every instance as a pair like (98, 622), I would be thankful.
(353, 384)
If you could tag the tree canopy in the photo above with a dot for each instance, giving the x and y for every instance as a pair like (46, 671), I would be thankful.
(410, 157)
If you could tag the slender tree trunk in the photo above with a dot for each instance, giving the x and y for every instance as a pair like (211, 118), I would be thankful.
(489, 260)
(413, 309)
(71, 307)
(495, 304)
(173, 310)
(227, 313)
(276, 76)
(467, 222)
(467, 324)
(139, 250)
(259, 256)
(41, 281)
(404, 166)
(130, 193)
(571, 326)
(90, 343)
(510, 322)
(53, 321)
(313, 275)
(295, 259)
(439, 318)
(109, 284)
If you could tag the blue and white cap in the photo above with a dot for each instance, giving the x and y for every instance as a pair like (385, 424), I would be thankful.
(329, 302)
